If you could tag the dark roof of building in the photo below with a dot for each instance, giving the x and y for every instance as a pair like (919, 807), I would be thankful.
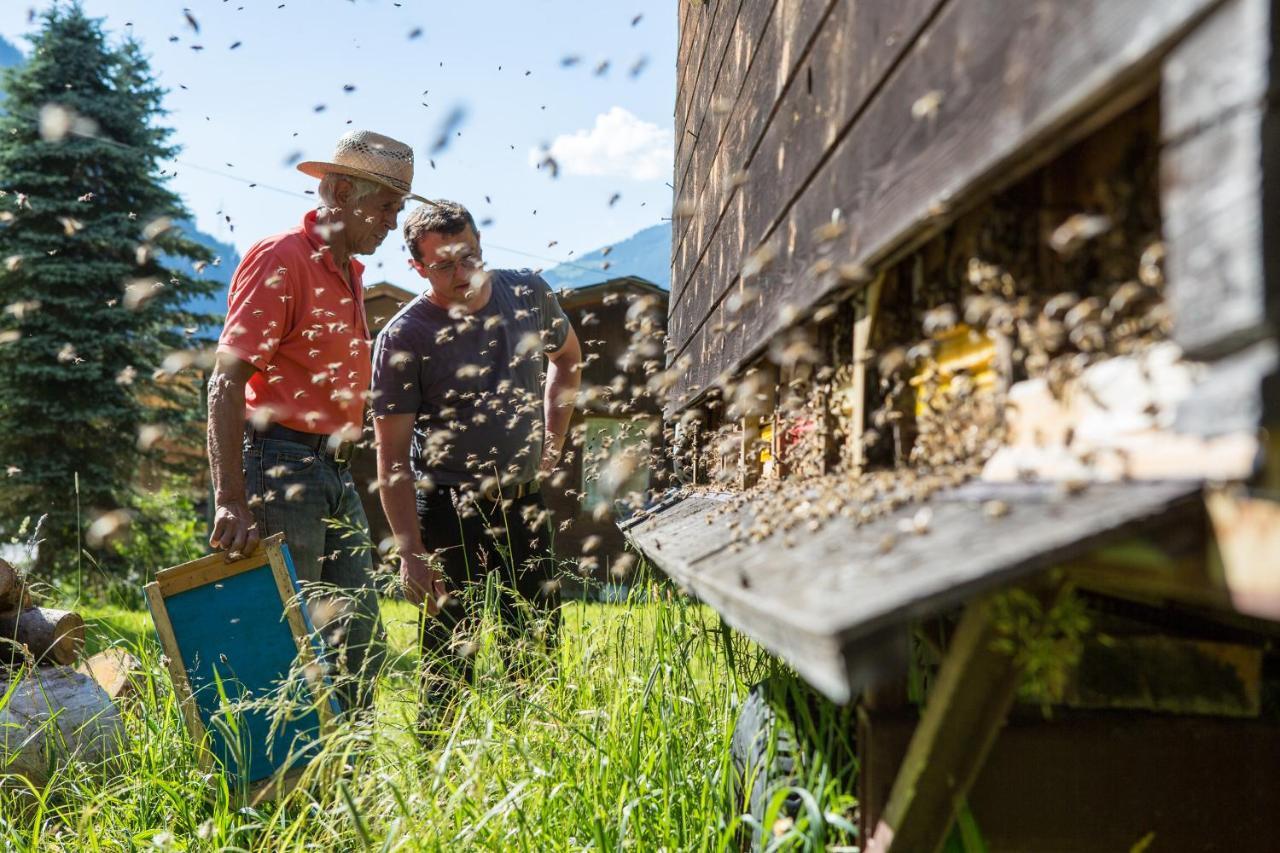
(386, 288)
(594, 292)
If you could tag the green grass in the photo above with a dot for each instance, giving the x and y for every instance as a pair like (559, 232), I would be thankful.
(623, 745)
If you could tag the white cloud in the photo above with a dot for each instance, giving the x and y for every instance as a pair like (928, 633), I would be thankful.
(620, 145)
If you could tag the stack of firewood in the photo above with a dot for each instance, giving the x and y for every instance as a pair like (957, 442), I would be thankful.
(41, 636)
(50, 711)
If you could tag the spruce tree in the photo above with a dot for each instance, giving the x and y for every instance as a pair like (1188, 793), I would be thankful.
(90, 317)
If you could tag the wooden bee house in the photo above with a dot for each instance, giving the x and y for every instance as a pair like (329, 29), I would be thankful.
(980, 297)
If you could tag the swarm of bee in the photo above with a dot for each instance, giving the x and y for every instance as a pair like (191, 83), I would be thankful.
(1027, 296)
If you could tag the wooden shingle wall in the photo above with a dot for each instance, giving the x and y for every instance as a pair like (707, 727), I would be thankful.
(890, 118)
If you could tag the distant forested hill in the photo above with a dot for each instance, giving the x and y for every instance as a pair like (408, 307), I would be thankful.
(646, 254)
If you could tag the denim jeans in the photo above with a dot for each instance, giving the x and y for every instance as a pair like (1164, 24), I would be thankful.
(313, 501)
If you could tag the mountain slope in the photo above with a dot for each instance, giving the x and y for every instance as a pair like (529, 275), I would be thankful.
(646, 254)
(9, 55)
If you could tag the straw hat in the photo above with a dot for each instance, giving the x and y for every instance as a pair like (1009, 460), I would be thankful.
(371, 156)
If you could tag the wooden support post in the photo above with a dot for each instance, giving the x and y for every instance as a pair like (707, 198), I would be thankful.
(863, 326)
(700, 457)
(1246, 542)
(965, 711)
(749, 453)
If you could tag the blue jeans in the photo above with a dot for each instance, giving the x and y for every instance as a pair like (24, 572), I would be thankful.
(313, 501)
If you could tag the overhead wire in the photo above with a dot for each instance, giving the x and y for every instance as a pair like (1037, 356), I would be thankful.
(293, 193)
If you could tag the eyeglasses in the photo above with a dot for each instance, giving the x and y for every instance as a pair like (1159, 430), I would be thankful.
(468, 261)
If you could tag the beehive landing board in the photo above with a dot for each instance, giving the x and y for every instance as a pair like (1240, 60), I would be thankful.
(828, 604)
(242, 624)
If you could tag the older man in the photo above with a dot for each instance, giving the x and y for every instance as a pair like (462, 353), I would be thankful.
(467, 425)
(287, 398)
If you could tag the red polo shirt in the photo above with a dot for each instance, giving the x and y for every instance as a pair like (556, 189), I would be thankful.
(291, 315)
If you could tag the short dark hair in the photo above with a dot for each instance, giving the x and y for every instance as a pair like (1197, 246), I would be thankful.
(436, 217)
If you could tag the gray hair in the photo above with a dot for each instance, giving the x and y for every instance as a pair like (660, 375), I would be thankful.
(436, 217)
(360, 188)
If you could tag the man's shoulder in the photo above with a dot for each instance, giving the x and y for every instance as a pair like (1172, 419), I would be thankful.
(521, 282)
(411, 316)
(286, 246)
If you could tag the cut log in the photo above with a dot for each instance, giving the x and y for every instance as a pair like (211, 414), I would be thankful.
(54, 714)
(50, 636)
(8, 582)
(113, 670)
(13, 589)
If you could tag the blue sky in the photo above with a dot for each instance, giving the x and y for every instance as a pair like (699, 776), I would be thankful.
(256, 106)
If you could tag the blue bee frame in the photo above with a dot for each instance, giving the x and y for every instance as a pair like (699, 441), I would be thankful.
(235, 633)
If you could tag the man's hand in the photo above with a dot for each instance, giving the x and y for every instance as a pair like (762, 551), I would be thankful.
(234, 529)
(422, 582)
(550, 458)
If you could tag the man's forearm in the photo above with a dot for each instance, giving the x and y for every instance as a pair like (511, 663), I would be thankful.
(226, 438)
(562, 392)
(396, 491)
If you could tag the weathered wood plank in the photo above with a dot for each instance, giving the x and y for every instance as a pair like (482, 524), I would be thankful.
(964, 713)
(816, 602)
(685, 60)
(744, 47)
(697, 56)
(683, 65)
(1220, 68)
(1229, 396)
(1212, 209)
(997, 87)
(762, 165)
(771, 36)
(700, 100)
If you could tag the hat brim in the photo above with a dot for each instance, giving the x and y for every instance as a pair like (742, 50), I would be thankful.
(319, 168)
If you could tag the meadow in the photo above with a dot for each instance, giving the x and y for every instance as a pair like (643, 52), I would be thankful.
(623, 743)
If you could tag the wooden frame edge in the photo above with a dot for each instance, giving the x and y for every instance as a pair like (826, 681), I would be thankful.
(212, 567)
(289, 598)
(178, 673)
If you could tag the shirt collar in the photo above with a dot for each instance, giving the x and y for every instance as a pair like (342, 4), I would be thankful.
(310, 229)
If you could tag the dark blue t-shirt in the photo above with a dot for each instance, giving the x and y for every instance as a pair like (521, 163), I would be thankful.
(475, 381)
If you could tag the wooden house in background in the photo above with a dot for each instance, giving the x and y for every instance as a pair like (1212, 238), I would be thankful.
(975, 402)
(616, 434)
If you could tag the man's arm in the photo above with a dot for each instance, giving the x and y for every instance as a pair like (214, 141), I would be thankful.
(234, 528)
(393, 434)
(564, 376)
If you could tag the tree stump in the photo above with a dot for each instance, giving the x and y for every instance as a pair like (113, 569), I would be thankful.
(50, 636)
(53, 715)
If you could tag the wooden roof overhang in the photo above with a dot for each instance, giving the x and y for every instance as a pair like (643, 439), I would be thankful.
(593, 293)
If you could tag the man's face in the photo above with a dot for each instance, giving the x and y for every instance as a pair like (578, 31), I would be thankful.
(368, 221)
(452, 263)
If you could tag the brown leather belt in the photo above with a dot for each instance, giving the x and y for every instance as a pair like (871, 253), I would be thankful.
(316, 442)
